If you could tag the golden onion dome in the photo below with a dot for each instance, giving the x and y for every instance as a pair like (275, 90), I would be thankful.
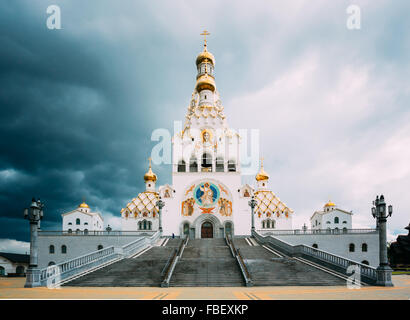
(205, 55)
(330, 204)
(84, 205)
(262, 174)
(205, 82)
(150, 176)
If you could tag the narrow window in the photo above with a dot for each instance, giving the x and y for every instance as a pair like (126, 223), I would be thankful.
(351, 247)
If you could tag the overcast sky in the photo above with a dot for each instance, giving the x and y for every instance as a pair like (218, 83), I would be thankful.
(78, 105)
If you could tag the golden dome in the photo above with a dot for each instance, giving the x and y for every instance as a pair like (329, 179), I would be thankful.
(205, 82)
(205, 55)
(84, 205)
(150, 176)
(262, 174)
(330, 204)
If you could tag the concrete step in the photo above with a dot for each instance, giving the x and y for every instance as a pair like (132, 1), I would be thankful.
(143, 270)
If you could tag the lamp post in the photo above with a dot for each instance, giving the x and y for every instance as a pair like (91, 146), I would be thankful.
(34, 214)
(384, 271)
(160, 204)
(252, 203)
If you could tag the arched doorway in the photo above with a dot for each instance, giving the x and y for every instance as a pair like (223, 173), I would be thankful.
(207, 230)
(2, 271)
(20, 270)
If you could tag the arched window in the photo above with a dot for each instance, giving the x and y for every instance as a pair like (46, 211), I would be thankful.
(193, 164)
(219, 164)
(263, 224)
(63, 249)
(365, 262)
(2, 271)
(149, 225)
(351, 247)
(336, 219)
(86, 223)
(145, 224)
(207, 161)
(181, 166)
(315, 245)
(70, 223)
(364, 247)
(51, 249)
(85, 231)
(344, 230)
(268, 224)
(77, 221)
(139, 225)
(70, 231)
(100, 247)
(231, 166)
(51, 263)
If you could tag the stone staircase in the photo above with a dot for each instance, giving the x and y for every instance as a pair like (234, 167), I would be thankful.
(207, 263)
(141, 271)
(268, 269)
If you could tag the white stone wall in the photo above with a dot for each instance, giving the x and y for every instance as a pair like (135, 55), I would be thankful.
(339, 245)
(77, 245)
(87, 221)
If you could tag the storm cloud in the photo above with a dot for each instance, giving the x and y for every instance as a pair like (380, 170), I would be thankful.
(78, 105)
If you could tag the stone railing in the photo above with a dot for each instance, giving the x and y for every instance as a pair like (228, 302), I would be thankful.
(324, 258)
(60, 273)
(139, 244)
(237, 255)
(142, 233)
(55, 274)
(274, 232)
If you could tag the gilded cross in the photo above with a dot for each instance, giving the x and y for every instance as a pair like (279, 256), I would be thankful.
(205, 33)
(149, 159)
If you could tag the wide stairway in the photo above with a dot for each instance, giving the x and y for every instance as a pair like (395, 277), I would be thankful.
(207, 263)
(144, 270)
(269, 269)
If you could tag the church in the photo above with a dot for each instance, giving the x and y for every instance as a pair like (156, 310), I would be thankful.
(206, 218)
(206, 198)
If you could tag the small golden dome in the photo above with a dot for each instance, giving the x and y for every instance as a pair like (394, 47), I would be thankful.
(84, 205)
(150, 176)
(205, 82)
(262, 174)
(205, 55)
(330, 204)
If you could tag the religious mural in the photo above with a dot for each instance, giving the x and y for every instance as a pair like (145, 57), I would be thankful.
(206, 194)
(207, 197)
(188, 207)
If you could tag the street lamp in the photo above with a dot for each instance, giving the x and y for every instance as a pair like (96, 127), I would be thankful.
(384, 271)
(252, 203)
(34, 214)
(160, 204)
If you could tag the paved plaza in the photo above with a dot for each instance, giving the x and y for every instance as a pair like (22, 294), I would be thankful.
(13, 288)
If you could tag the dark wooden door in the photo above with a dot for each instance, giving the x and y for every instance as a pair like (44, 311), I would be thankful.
(207, 230)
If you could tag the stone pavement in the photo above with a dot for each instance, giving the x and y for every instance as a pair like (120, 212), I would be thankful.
(13, 288)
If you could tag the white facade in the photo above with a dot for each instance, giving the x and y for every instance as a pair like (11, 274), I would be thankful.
(207, 198)
(331, 218)
(82, 219)
(11, 263)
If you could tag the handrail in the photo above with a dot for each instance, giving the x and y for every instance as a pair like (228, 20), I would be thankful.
(164, 271)
(68, 268)
(316, 231)
(332, 260)
(73, 267)
(140, 233)
(176, 256)
(135, 246)
(241, 262)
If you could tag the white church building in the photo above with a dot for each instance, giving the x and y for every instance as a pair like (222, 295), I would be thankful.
(207, 198)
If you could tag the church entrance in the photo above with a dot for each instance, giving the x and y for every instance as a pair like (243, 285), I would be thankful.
(207, 230)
